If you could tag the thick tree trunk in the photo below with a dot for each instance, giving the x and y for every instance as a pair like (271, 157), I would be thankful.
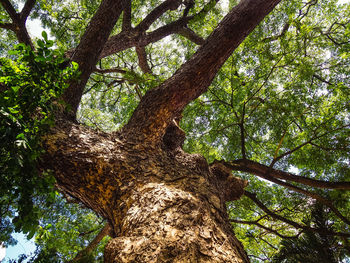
(174, 222)
(163, 204)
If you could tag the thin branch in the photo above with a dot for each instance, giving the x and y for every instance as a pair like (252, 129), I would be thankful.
(191, 35)
(156, 13)
(265, 80)
(260, 258)
(330, 149)
(81, 234)
(268, 243)
(264, 227)
(276, 37)
(241, 126)
(290, 222)
(322, 79)
(142, 56)
(106, 230)
(306, 143)
(309, 5)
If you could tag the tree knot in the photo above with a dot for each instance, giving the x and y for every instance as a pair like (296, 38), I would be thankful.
(174, 136)
(231, 187)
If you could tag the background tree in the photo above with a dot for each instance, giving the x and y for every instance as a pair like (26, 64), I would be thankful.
(311, 246)
(277, 114)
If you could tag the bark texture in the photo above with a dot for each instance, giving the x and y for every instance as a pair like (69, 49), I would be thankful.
(163, 204)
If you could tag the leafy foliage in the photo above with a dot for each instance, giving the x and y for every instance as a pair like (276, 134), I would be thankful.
(31, 83)
(65, 229)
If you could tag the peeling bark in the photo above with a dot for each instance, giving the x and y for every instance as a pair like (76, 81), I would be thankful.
(166, 223)
(163, 204)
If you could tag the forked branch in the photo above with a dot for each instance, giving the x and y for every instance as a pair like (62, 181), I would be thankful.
(18, 25)
(194, 77)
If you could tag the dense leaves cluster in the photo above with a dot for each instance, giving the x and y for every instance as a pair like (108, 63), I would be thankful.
(31, 83)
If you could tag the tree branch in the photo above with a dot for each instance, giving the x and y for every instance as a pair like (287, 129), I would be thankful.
(191, 35)
(105, 231)
(18, 22)
(142, 56)
(9, 26)
(123, 40)
(110, 70)
(194, 77)
(28, 6)
(126, 26)
(136, 37)
(10, 10)
(266, 174)
(90, 47)
(156, 13)
(260, 169)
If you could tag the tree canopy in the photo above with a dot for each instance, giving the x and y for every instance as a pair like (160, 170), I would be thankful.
(275, 112)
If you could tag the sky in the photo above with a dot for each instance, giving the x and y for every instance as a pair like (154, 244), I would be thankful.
(25, 246)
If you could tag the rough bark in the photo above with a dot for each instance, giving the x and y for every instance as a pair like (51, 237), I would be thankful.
(163, 204)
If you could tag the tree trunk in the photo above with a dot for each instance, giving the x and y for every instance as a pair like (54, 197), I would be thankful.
(174, 222)
(163, 204)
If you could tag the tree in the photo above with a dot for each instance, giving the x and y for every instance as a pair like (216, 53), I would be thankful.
(278, 104)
